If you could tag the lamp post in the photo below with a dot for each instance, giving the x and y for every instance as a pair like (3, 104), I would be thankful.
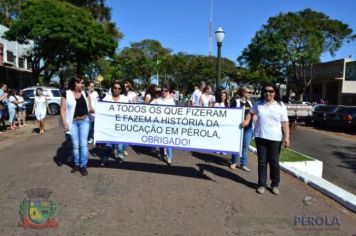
(219, 36)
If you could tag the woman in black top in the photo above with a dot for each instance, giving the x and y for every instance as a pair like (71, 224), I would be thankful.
(75, 107)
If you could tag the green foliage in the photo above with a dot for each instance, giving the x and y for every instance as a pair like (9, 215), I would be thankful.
(9, 10)
(291, 41)
(62, 34)
(182, 71)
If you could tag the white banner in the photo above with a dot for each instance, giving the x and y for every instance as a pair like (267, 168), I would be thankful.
(191, 128)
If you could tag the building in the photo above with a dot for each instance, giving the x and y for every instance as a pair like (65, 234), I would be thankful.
(15, 68)
(334, 82)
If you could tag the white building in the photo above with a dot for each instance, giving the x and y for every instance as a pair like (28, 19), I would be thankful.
(15, 68)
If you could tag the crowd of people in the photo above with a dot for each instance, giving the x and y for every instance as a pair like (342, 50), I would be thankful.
(266, 121)
(12, 106)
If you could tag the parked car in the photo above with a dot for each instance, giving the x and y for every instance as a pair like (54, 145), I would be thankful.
(343, 118)
(53, 97)
(320, 112)
(28, 104)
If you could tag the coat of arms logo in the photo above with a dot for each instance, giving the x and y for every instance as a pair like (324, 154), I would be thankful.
(37, 211)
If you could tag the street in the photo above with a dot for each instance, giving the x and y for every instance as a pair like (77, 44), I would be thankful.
(198, 195)
(336, 150)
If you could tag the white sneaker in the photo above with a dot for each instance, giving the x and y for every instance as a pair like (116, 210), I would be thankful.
(126, 153)
(260, 190)
(245, 168)
(169, 161)
(90, 140)
(275, 190)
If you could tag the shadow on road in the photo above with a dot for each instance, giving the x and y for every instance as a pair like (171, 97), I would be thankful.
(182, 171)
(62, 155)
(210, 158)
(149, 151)
(63, 152)
(225, 174)
(348, 158)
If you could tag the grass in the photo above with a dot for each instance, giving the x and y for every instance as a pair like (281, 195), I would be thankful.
(288, 155)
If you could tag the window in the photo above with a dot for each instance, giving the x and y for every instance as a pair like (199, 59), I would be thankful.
(21, 62)
(29, 67)
(10, 56)
(56, 93)
(29, 93)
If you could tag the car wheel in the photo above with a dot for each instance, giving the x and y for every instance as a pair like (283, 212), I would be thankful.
(53, 109)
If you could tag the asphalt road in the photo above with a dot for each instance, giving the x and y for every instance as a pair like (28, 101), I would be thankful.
(198, 195)
(337, 151)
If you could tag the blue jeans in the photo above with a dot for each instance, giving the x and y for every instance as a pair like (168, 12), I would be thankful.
(12, 114)
(91, 130)
(79, 134)
(245, 144)
(169, 152)
(120, 149)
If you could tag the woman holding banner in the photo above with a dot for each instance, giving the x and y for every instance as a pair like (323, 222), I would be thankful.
(243, 102)
(75, 108)
(118, 94)
(271, 128)
(165, 99)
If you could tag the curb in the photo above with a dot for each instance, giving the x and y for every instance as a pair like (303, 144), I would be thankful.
(340, 195)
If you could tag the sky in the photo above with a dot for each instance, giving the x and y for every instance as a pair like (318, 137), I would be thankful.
(183, 25)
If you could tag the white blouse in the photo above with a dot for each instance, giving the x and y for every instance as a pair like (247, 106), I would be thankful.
(269, 117)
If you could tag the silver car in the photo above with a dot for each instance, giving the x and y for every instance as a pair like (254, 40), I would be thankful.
(53, 97)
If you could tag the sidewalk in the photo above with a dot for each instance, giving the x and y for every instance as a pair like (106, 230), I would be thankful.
(198, 195)
(9, 137)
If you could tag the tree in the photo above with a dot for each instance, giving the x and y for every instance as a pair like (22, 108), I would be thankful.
(101, 13)
(140, 59)
(9, 10)
(62, 34)
(291, 43)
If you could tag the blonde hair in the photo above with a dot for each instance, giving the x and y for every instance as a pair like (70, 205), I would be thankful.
(242, 90)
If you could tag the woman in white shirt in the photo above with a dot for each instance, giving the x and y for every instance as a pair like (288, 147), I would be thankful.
(40, 107)
(272, 118)
(11, 107)
(206, 99)
(165, 99)
(222, 100)
(149, 95)
(118, 94)
(22, 110)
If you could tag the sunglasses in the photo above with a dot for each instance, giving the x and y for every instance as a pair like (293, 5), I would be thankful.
(118, 88)
(164, 90)
(249, 92)
(269, 91)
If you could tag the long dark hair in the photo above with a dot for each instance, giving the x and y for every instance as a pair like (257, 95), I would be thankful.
(12, 92)
(151, 89)
(72, 81)
(218, 98)
(277, 96)
(123, 90)
(38, 89)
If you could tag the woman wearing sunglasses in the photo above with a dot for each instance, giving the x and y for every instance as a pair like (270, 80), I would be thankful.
(75, 108)
(165, 99)
(271, 130)
(118, 94)
(243, 102)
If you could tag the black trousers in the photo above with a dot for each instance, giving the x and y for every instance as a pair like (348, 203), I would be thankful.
(268, 152)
